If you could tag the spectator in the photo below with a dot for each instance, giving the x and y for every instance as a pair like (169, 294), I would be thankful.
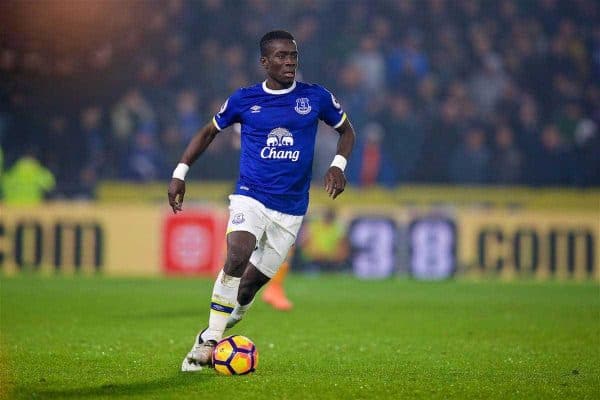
(325, 145)
(488, 84)
(554, 164)
(92, 130)
(323, 244)
(403, 138)
(406, 63)
(440, 141)
(130, 115)
(27, 182)
(567, 120)
(188, 117)
(307, 33)
(528, 131)
(144, 162)
(587, 141)
(94, 150)
(470, 161)
(351, 95)
(428, 102)
(371, 64)
(370, 164)
(62, 154)
(172, 143)
(507, 159)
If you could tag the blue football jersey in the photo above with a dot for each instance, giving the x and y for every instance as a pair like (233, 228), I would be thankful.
(279, 128)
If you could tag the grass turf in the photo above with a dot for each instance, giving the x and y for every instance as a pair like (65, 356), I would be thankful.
(95, 338)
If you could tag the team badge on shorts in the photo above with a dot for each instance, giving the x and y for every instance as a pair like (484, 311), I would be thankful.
(302, 106)
(238, 219)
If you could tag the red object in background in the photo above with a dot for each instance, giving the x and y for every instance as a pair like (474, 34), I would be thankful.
(193, 243)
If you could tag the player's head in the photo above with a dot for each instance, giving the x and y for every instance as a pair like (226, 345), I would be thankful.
(269, 37)
(279, 56)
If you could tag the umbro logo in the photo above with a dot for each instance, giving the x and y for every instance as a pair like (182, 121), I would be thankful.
(255, 109)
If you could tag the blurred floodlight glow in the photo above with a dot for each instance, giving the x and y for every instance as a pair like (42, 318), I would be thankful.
(64, 25)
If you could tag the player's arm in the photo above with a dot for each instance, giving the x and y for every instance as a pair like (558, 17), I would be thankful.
(195, 148)
(335, 180)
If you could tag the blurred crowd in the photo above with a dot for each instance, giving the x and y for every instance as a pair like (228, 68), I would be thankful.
(439, 91)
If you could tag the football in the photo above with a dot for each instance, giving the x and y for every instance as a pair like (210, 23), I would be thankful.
(235, 355)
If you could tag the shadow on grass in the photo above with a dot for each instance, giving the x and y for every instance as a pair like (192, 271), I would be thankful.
(160, 386)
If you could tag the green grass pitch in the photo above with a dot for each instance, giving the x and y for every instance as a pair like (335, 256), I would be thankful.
(101, 338)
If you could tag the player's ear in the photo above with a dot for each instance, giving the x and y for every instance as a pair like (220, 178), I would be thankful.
(263, 61)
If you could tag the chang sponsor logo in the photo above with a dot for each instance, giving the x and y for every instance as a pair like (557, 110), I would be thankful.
(278, 138)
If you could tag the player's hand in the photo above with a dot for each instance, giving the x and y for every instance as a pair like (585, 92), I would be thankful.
(335, 182)
(176, 193)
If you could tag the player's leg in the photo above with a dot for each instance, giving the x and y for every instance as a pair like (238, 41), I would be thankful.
(250, 284)
(266, 260)
(240, 246)
(245, 227)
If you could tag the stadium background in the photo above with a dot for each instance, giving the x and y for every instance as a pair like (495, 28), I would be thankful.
(477, 127)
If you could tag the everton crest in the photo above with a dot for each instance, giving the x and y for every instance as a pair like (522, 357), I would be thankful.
(302, 106)
(238, 219)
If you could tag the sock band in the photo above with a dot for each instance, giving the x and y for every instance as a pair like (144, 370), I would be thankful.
(221, 308)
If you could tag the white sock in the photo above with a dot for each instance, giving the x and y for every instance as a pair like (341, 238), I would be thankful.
(239, 311)
(222, 304)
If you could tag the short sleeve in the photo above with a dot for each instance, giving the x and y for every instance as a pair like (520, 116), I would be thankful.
(229, 112)
(331, 111)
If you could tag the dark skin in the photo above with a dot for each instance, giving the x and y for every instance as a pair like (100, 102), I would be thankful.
(280, 64)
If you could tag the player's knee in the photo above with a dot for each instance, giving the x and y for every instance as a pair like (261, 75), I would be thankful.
(240, 246)
(237, 258)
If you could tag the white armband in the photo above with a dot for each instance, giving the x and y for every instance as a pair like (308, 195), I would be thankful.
(180, 171)
(339, 161)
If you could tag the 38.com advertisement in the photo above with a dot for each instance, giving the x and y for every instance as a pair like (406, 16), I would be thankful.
(147, 240)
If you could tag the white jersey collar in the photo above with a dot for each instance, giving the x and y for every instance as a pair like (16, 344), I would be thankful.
(280, 91)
